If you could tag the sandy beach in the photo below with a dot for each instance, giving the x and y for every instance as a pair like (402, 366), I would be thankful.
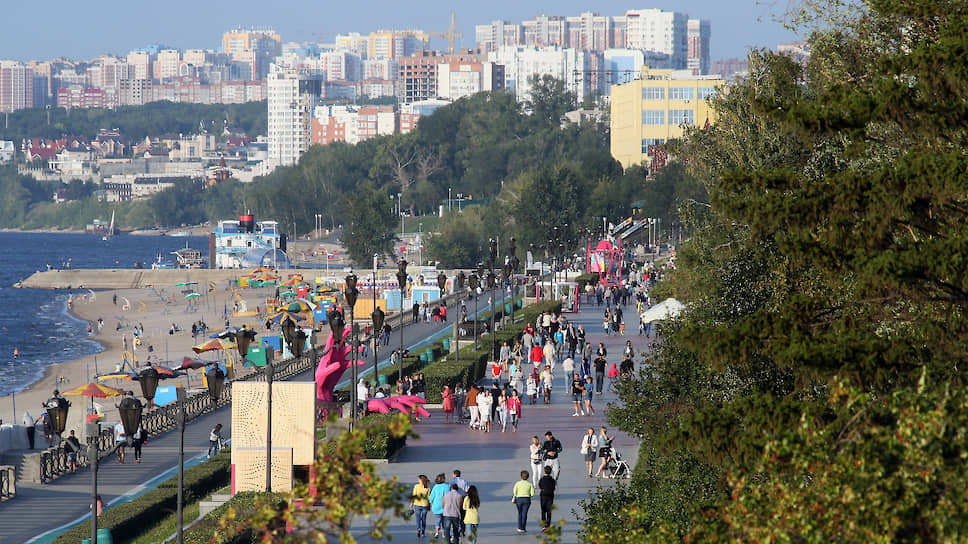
(148, 309)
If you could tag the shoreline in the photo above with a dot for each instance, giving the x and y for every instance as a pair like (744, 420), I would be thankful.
(150, 312)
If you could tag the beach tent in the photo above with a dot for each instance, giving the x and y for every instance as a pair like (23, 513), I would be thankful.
(666, 309)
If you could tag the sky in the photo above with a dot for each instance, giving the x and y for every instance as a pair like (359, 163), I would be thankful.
(84, 30)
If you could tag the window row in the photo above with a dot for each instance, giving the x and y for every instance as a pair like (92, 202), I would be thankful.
(676, 117)
(677, 93)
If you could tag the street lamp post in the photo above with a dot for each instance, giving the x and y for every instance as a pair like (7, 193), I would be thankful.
(461, 278)
(474, 281)
(402, 281)
(351, 294)
(93, 433)
(378, 316)
(491, 281)
(57, 407)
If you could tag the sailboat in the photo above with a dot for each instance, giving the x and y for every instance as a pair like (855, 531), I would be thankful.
(110, 232)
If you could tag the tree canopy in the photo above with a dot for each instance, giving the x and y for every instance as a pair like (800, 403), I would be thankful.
(815, 374)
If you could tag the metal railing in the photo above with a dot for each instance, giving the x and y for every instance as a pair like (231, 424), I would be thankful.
(8, 482)
(53, 463)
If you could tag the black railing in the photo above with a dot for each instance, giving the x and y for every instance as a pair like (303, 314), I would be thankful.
(53, 463)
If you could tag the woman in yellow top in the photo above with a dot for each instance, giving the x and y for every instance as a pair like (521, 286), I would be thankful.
(420, 503)
(521, 497)
(471, 517)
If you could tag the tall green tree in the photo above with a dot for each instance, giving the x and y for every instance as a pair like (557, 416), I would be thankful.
(369, 225)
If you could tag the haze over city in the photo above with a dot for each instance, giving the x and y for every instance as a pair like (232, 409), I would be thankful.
(117, 27)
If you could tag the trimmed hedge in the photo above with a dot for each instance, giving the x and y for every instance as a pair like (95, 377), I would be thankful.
(379, 445)
(129, 520)
(206, 529)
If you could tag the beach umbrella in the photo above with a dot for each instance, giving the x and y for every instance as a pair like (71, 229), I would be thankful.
(192, 295)
(112, 376)
(281, 316)
(95, 390)
(213, 344)
(190, 364)
(164, 372)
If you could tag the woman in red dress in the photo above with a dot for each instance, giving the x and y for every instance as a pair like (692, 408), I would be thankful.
(448, 403)
(497, 367)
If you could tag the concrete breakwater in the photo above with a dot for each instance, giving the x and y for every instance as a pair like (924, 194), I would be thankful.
(137, 279)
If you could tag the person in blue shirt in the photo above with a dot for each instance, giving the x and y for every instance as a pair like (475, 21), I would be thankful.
(437, 501)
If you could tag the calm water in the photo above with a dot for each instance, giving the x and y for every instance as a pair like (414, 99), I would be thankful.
(36, 321)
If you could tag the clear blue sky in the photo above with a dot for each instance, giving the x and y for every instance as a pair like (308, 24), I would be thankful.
(83, 30)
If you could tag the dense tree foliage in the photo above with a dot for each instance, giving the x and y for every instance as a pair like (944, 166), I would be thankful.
(815, 374)
(136, 122)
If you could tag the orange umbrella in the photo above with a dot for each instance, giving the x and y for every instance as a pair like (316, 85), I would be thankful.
(95, 390)
(214, 343)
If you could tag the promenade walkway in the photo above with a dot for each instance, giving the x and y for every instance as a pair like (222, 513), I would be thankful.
(44, 508)
(492, 461)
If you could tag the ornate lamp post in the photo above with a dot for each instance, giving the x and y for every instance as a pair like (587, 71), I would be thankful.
(402, 281)
(474, 281)
(378, 316)
(57, 407)
(514, 262)
(351, 295)
(441, 283)
(491, 281)
(148, 378)
(461, 278)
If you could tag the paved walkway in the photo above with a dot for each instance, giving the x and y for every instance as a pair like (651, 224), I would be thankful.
(42, 508)
(493, 461)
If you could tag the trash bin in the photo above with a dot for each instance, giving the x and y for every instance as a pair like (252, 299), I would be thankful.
(382, 380)
(103, 537)
(507, 309)
(428, 356)
(446, 343)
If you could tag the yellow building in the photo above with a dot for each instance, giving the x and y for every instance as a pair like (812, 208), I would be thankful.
(260, 41)
(392, 44)
(655, 108)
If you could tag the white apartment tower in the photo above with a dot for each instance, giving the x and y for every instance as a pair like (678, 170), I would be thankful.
(662, 35)
(522, 62)
(16, 86)
(291, 97)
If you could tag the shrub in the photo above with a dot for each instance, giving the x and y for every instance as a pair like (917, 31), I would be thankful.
(129, 520)
(379, 444)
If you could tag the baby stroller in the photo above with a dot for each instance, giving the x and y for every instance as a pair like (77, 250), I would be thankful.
(615, 465)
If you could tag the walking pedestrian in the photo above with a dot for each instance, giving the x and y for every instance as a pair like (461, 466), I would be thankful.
(600, 363)
(138, 441)
(448, 397)
(471, 403)
(420, 503)
(577, 394)
(521, 497)
(215, 441)
(537, 460)
(120, 441)
(552, 449)
(589, 392)
(514, 409)
(546, 382)
(532, 388)
(73, 447)
(604, 449)
(547, 486)
(462, 487)
(453, 501)
(589, 448)
(436, 498)
(502, 409)
(472, 518)
(484, 402)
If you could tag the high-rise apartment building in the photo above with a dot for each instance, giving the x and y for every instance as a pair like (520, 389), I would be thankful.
(354, 41)
(166, 64)
(255, 47)
(496, 34)
(697, 36)
(463, 78)
(662, 34)
(393, 44)
(16, 86)
(545, 30)
(140, 63)
(417, 79)
(291, 98)
(521, 63)
(649, 111)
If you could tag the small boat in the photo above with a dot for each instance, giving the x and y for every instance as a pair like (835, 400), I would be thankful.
(110, 232)
(189, 258)
(180, 234)
(162, 265)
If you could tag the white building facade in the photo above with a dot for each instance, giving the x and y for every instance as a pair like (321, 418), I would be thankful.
(291, 98)
(520, 63)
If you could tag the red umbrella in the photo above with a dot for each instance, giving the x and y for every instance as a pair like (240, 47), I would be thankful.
(190, 364)
(95, 390)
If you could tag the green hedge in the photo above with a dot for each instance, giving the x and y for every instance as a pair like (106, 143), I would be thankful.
(206, 529)
(379, 445)
(129, 520)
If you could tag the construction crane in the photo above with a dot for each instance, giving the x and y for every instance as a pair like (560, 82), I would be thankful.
(452, 33)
